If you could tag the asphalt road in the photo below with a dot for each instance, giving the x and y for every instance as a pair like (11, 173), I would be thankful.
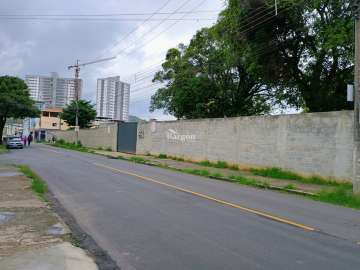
(154, 219)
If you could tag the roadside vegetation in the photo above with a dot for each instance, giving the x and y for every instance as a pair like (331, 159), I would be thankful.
(3, 149)
(337, 193)
(201, 78)
(72, 146)
(278, 173)
(37, 184)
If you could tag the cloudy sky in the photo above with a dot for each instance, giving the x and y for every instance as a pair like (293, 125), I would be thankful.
(31, 43)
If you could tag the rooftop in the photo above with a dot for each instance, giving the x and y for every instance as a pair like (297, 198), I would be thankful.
(58, 110)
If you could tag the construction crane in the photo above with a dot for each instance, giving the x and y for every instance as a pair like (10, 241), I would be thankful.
(77, 68)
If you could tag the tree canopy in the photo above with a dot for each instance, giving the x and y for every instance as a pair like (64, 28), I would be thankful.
(15, 100)
(208, 79)
(87, 113)
(252, 61)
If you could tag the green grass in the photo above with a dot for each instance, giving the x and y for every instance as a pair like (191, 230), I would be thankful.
(244, 181)
(37, 184)
(342, 196)
(72, 146)
(3, 149)
(196, 172)
(138, 160)
(175, 158)
(162, 156)
(290, 186)
(216, 175)
(278, 173)
(218, 164)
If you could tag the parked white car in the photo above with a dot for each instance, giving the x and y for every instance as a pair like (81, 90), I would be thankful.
(14, 143)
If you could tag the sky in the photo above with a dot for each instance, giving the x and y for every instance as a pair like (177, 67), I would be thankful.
(39, 47)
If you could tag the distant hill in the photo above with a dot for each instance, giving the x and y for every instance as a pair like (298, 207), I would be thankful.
(133, 118)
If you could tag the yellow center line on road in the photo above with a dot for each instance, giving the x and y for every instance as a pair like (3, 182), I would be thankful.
(210, 198)
(50, 150)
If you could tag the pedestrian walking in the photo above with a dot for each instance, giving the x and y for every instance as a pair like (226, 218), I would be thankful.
(24, 139)
(29, 139)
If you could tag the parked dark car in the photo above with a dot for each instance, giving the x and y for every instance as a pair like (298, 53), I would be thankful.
(14, 143)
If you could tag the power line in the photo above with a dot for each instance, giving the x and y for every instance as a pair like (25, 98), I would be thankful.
(157, 26)
(165, 30)
(263, 49)
(98, 20)
(144, 87)
(110, 14)
(244, 31)
(263, 9)
(253, 15)
(138, 27)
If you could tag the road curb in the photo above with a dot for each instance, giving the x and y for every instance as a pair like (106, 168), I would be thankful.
(81, 238)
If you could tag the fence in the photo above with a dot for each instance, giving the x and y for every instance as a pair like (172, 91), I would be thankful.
(315, 143)
(104, 137)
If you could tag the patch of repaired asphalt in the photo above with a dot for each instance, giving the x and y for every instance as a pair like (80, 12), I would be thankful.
(9, 174)
(81, 238)
(57, 229)
(6, 216)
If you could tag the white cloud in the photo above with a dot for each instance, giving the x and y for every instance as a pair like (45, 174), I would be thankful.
(13, 54)
(41, 48)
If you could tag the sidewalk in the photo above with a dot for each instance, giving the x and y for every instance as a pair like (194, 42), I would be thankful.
(32, 236)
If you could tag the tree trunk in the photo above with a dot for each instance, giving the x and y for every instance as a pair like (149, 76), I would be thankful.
(2, 125)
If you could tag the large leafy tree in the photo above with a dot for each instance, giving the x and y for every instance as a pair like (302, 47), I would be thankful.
(305, 52)
(87, 113)
(15, 101)
(208, 79)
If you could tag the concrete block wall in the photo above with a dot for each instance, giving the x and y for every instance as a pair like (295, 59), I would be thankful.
(105, 137)
(314, 143)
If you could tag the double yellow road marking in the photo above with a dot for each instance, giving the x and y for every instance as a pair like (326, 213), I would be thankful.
(210, 198)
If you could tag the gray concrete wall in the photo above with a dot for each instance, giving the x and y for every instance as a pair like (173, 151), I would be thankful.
(316, 143)
(105, 137)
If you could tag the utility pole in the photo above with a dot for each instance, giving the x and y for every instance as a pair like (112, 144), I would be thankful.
(77, 97)
(77, 67)
(356, 177)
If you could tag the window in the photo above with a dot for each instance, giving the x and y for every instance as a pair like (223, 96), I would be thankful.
(45, 114)
(54, 124)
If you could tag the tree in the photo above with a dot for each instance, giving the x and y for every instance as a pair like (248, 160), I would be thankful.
(15, 100)
(87, 113)
(208, 79)
(305, 52)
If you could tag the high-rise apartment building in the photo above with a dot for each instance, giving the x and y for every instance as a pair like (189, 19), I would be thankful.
(112, 99)
(52, 91)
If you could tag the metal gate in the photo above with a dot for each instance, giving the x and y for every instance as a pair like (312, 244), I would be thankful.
(127, 137)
